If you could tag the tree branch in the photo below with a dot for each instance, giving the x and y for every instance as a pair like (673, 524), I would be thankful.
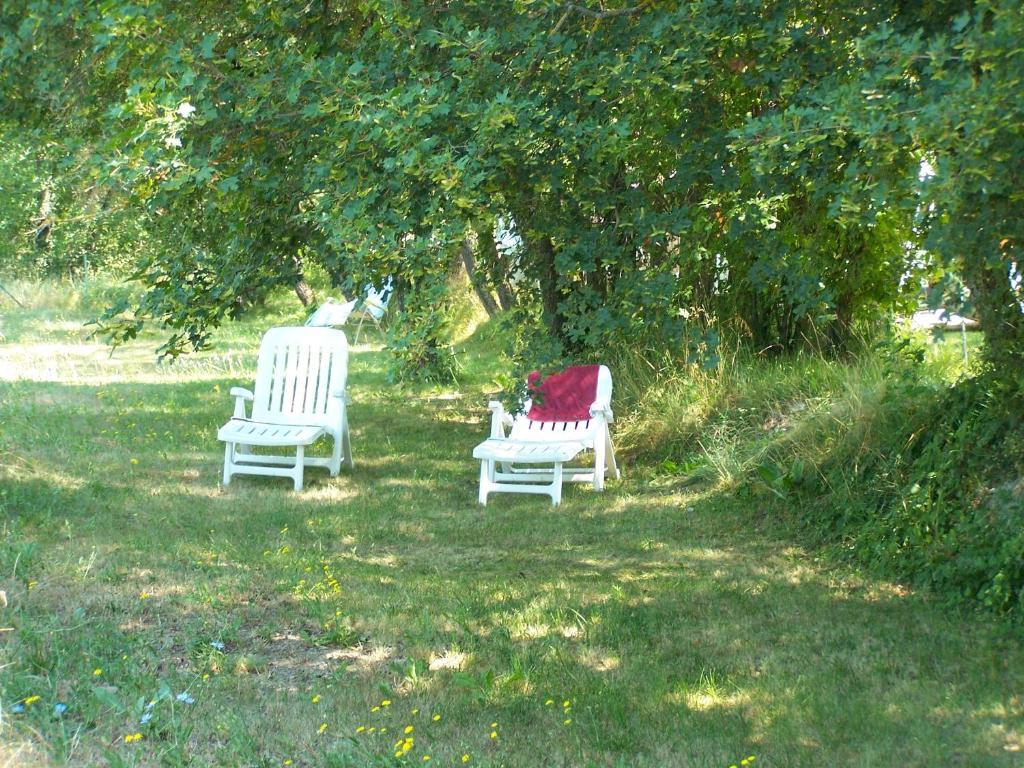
(603, 14)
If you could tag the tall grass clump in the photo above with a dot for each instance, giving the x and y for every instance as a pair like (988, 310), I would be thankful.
(899, 456)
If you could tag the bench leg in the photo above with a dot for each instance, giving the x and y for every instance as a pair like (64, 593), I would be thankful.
(556, 485)
(229, 460)
(486, 477)
(300, 465)
(346, 445)
(335, 467)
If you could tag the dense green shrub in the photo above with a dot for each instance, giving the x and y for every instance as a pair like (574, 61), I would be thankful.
(933, 492)
(876, 457)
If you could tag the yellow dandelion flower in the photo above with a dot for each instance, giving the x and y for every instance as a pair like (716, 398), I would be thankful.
(134, 462)
(436, 718)
(465, 758)
(31, 700)
(494, 734)
(398, 754)
(566, 703)
(288, 761)
(386, 703)
(567, 721)
(549, 702)
(97, 672)
(375, 709)
(426, 758)
(206, 677)
(494, 725)
(415, 711)
(316, 699)
(383, 730)
(360, 729)
(371, 729)
(143, 595)
(409, 729)
(32, 585)
(323, 727)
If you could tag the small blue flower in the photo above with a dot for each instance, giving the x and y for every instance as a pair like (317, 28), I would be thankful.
(18, 708)
(185, 698)
(60, 708)
(217, 645)
(146, 717)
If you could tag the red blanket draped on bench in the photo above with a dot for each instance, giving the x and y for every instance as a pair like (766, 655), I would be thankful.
(565, 396)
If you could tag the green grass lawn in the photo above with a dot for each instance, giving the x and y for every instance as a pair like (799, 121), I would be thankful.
(645, 626)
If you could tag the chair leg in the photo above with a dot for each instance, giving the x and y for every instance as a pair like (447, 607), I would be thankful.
(556, 485)
(300, 465)
(599, 459)
(229, 460)
(484, 482)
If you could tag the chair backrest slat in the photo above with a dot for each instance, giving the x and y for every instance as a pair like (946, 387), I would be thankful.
(297, 371)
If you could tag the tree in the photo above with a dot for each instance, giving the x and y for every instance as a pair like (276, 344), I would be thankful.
(748, 165)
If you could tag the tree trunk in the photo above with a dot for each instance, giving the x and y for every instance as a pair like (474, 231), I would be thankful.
(998, 309)
(479, 286)
(548, 275)
(44, 220)
(303, 289)
(498, 274)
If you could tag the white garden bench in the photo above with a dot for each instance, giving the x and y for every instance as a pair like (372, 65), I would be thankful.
(299, 397)
(532, 456)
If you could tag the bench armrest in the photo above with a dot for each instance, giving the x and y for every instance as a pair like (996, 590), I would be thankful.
(342, 392)
(499, 419)
(241, 394)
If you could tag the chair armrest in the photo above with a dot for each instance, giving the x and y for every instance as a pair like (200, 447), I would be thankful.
(603, 411)
(499, 419)
(241, 392)
(341, 392)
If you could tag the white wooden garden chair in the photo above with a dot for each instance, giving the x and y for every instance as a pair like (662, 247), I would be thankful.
(374, 306)
(571, 417)
(299, 397)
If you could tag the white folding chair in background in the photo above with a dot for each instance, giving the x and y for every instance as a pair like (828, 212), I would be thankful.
(571, 417)
(299, 397)
(373, 306)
